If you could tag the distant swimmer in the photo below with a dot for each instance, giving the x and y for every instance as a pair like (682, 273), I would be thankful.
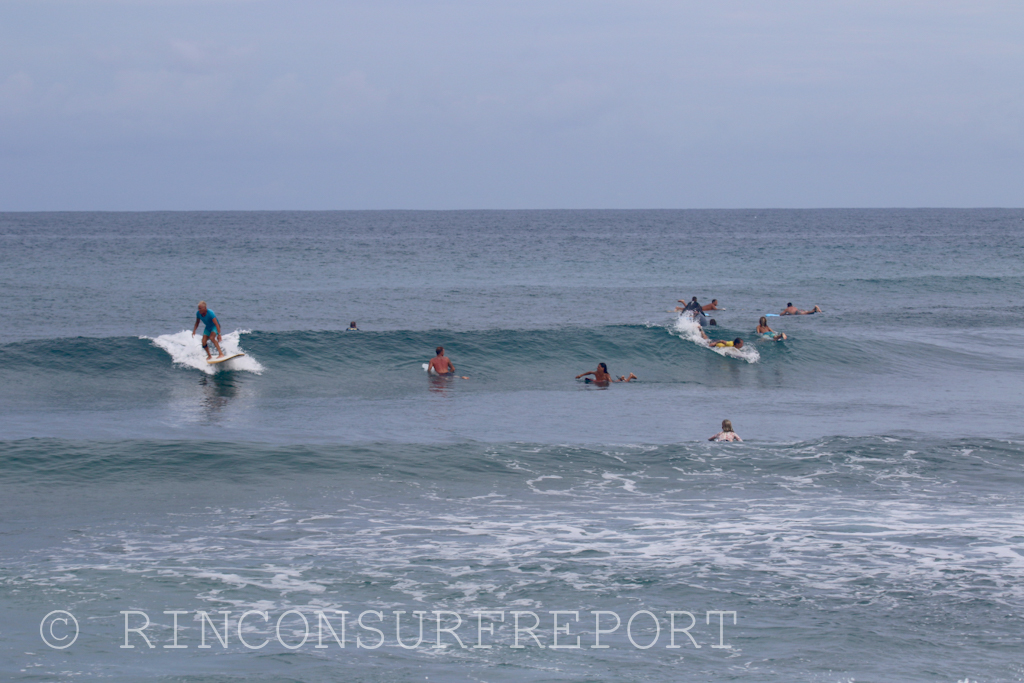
(601, 376)
(736, 343)
(790, 309)
(713, 306)
(767, 332)
(726, 434)
(212, 330)
(352, 327)
(441, 364)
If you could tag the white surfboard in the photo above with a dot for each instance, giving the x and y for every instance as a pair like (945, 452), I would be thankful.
(217, 361)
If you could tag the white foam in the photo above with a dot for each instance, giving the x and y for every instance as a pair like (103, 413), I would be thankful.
(188, 350)
(688, 328)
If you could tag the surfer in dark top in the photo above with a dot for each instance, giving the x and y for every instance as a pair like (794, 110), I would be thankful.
(695, 310)
(212, 330)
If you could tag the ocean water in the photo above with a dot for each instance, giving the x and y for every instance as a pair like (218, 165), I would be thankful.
(870, 527)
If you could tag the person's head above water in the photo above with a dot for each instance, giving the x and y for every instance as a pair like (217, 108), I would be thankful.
(789, 304)
(603, 366)
(737, 343)
(714, 301)
(763, 322)
(726, 425)
(352, 324)
(439, 350)
(712, 322)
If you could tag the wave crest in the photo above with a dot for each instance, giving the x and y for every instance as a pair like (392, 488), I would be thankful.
(686, 327)
(187, 349)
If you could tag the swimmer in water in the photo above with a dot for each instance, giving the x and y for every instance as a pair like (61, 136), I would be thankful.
(713, 306)
(767, 332)
(440, 364)
(352, 327)
(726, 434)
(790, 309)
(601, 376)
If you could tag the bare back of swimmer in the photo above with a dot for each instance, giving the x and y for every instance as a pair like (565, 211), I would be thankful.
(790, 309)
(440, 363)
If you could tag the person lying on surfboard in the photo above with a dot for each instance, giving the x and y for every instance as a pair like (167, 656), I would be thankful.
(212, 330)
(790, 309)
(713, 306)
(736, 343)
(726, 434)
(601, 376)
(767, 332)
(441, 364)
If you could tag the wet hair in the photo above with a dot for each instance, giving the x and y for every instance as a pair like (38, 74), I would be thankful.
(603, 366)
(439, 350)
(789, 304)
(737, 341)
(352, 324)
(726, 426)
(693, 299)
(714, 301)
(712, 322)
(763, 321)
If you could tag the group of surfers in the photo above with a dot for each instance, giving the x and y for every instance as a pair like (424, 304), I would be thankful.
(698, 313)
(440, 364)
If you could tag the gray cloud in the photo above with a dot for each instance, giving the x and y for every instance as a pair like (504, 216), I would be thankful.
(402, 104)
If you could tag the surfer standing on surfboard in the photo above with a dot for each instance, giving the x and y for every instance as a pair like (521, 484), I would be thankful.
(212, 330)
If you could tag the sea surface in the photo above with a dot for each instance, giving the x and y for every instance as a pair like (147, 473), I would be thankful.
(870, 526)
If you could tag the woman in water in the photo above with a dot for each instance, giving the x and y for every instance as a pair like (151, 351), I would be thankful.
(767, 332)
(601, 376)
(726, 434)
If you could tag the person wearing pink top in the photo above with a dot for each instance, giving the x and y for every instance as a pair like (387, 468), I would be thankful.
(726, 434)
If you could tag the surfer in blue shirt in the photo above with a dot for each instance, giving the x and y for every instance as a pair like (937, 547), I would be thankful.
(212, 330)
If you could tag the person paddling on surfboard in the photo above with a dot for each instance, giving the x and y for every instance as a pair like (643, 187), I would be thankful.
(601, 376)
(790, 309)
(767, 332)
(212, 330)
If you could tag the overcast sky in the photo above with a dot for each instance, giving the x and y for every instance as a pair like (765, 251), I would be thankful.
(410, 104)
